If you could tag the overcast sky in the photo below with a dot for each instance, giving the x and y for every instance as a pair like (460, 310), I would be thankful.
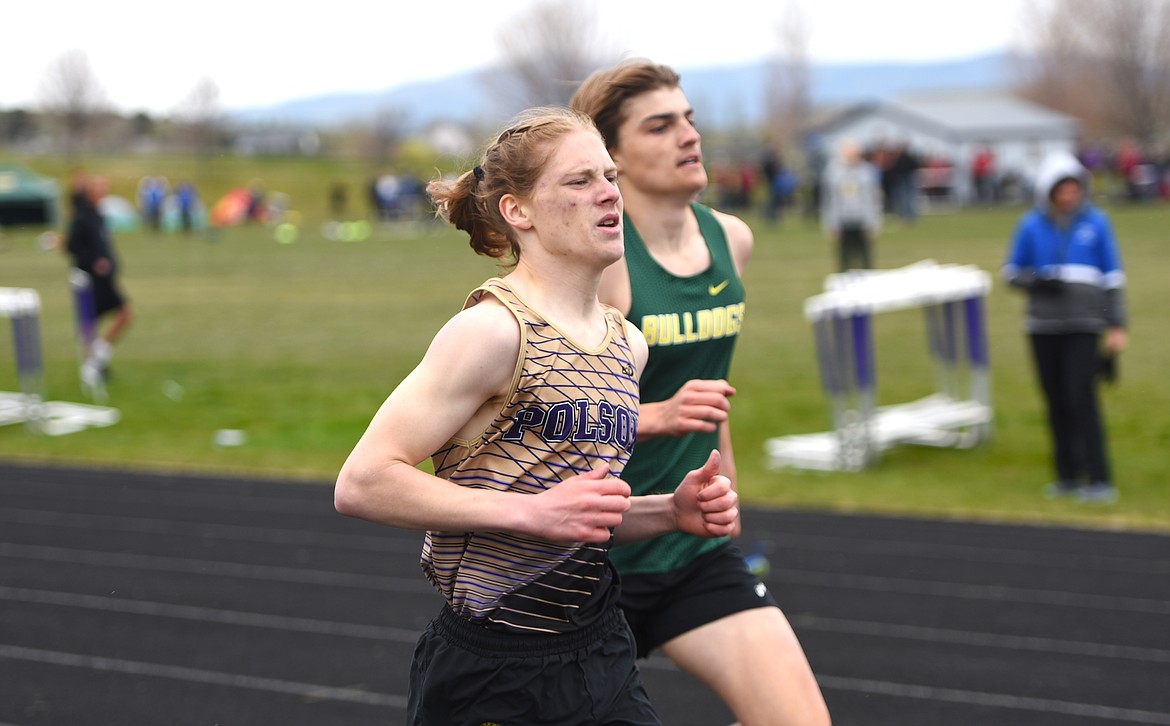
(151, 56)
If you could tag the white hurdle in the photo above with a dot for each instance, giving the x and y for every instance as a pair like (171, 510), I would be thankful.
(28, 406)
(958, 414)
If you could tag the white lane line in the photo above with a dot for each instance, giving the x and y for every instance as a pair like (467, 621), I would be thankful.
(998, 593)
(404, 635)
(209, 615)
(214, 568)
(311, 691)
(994, 700)
(203, 530)
(954, 695)
(792, 544)
(977, 639)
(200, 500)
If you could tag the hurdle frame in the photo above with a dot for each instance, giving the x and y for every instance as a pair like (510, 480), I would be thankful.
(28, 405)
(958, 414)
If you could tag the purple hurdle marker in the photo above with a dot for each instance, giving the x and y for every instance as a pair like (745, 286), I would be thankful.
(84, 310)
(85, 323)
(976, 333)
(26, 338)
(26, 334)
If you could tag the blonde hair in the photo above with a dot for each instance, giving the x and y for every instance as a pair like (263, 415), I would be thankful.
(511, 165)
(602, 96)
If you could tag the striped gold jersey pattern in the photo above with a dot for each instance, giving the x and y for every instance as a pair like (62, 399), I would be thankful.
(570, 410)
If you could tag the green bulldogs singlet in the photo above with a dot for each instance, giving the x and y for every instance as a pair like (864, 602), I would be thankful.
(691, 324)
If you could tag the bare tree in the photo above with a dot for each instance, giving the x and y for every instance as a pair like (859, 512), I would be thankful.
(70, 92)
(1048, 49)
(547, 52)
(200, 118)
(1138, 66)
(1104, 61)
(788, 92)
(385, 135)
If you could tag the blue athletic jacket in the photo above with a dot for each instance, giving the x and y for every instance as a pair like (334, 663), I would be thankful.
(1070, 268)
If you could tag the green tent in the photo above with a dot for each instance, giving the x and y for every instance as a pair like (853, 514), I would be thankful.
(26, 198)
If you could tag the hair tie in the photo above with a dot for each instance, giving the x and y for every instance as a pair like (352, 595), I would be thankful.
(478, 172)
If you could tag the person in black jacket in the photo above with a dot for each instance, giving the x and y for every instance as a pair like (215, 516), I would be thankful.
(91, 248)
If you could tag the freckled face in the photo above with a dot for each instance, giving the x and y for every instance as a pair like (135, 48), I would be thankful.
(576, 207)
(658, 148)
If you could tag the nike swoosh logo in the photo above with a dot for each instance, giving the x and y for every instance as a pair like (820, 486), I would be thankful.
(714, 290)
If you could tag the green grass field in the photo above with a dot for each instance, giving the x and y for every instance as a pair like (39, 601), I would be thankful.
(297, 344)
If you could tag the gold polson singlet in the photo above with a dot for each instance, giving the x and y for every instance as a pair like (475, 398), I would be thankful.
(569, 411)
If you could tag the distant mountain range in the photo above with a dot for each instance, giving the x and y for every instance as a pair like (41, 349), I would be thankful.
(725, 96)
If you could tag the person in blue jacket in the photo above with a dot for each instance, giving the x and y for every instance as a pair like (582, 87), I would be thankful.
(1064, 257)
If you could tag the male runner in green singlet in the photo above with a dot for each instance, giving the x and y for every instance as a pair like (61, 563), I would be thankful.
(680, 283)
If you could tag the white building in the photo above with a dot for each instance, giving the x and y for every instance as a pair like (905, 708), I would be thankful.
(954, 126)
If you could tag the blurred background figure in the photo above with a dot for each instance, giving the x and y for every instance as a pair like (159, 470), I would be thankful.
(152, 191)
(816, 160)
(91, 249)
(1064, 256)
(186, 199)
(779, 184)
(338, 195)
(903, 173)
(851, 206)
(983, 175)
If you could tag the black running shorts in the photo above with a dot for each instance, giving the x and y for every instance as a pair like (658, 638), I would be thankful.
(662, 606)
(466, 675)
(106, 295)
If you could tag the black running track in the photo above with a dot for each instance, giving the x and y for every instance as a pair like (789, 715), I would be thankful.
(131, 598)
